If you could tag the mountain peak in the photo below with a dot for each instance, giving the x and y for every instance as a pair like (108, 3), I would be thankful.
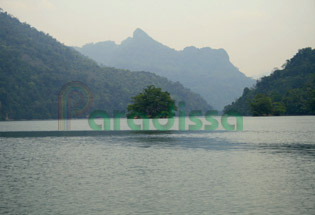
(202, 69)
(140, 34)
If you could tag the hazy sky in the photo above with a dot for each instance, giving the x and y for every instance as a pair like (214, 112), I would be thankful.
(258, 35)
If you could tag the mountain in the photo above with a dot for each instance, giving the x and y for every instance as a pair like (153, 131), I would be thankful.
(206, 71)
(287, 91)
(34, 67)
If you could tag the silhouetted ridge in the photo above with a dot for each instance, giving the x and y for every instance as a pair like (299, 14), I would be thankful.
(140, 34)
(206, 71)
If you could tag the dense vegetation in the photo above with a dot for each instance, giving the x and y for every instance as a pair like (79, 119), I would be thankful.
(287, 91)
(152, 102)
(206, 71)
(34, 67)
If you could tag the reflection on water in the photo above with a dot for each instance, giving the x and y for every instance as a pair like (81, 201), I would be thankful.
(293, 148)
(269, 168)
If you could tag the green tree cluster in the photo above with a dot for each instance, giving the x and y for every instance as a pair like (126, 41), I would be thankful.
(152, 102)
(262, 105)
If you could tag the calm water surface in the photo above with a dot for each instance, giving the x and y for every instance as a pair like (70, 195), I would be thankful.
(269, 168)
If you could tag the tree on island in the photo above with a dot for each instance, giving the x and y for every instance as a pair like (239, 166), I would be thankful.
(152, 102)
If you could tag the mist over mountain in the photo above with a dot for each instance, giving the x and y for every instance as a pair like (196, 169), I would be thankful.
(34, 67)
(206, 71)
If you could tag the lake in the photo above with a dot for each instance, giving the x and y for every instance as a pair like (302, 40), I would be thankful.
(268, 168)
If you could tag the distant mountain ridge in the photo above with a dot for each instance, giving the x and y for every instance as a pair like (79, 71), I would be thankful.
(34, 67)
(206, 71)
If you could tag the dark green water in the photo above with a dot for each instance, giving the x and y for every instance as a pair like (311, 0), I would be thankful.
(269, 168)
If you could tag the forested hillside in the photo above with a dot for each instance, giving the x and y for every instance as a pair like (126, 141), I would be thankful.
(287, 91)
(34, 67)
